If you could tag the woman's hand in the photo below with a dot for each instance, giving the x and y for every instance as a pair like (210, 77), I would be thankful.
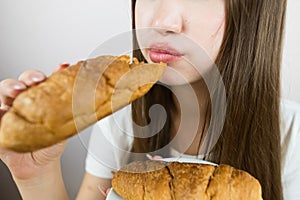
(29, 165)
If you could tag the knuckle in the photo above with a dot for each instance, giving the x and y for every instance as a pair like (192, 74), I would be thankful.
(25, 74)
(10, 88)
(7, 83)
(31, 77)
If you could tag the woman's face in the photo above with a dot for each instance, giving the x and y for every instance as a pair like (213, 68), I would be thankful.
(179, 33)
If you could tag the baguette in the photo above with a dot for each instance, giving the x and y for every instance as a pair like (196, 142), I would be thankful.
(72, 99)
(184, 181)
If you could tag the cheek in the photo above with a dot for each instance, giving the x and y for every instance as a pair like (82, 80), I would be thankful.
(143, 15)
(209, 34)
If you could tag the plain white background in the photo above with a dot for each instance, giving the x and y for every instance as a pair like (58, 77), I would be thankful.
(40, 34)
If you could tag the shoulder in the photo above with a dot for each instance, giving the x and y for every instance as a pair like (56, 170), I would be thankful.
(289, 107)
(290, 130)
(289, 123)
(289, 116)
(290, 142)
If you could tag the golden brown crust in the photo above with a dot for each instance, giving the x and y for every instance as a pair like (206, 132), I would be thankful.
(184, 181)
(190, 180)
(135, 181)
(74, 98)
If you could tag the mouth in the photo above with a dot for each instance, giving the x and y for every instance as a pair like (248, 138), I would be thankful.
(164, 53)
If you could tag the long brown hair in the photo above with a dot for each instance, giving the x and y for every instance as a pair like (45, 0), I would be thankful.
(249, 61)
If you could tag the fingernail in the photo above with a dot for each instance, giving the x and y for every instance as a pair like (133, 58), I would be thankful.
(149, 156)
(157, 157)
(37, 77)
(64, 64)
(19, 86)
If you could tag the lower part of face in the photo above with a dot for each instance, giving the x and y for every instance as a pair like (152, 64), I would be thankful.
(185, 34)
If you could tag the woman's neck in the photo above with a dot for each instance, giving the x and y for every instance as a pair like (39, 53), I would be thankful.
(190, 116)
(197, 90)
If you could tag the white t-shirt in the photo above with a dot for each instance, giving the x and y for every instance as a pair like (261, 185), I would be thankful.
(112, 137)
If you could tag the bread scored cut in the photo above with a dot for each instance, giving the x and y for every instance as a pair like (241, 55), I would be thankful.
(151, 180)
(72, 99)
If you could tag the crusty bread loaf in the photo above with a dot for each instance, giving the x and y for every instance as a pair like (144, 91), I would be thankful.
(151, 180)
(73, 99)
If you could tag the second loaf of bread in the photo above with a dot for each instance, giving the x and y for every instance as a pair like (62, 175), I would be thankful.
(184, 181)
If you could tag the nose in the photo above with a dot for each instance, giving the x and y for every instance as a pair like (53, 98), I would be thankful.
(168, 18)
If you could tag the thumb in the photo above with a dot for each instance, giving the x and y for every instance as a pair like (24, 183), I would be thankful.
(49, 154)
(55, 150)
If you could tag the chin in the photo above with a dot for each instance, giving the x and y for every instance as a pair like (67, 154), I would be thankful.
(172, 77)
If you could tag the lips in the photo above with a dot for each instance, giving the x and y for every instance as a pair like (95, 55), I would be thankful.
(164, 53)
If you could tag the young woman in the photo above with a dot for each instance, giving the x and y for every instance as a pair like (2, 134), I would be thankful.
(260, 131)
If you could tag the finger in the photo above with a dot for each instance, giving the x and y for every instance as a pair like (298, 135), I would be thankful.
(61, 67)
(107, 191)
(32, 77)
(149, 156)
(102, 190)
(10, 88)
(156, 157)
